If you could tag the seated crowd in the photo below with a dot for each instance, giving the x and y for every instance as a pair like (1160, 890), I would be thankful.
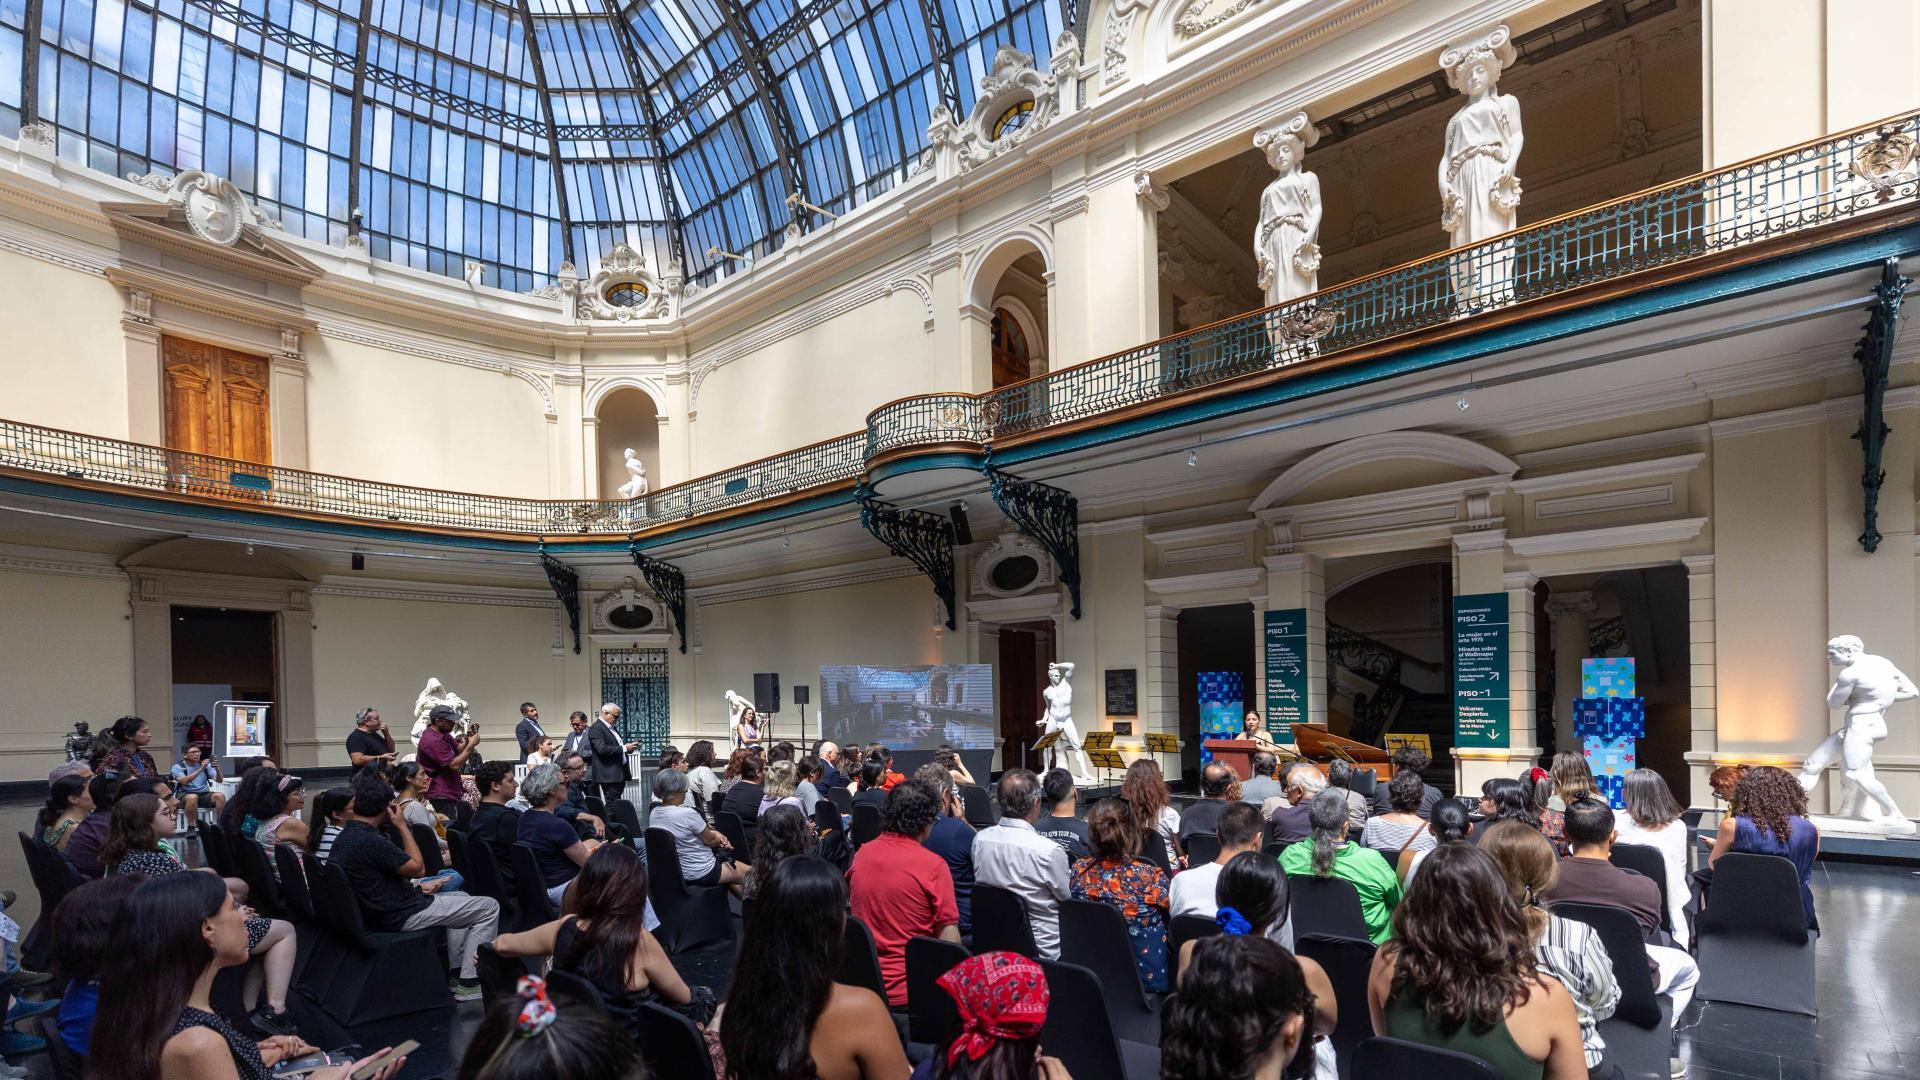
(1456, 904)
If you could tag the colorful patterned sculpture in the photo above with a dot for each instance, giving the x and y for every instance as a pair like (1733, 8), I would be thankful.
(1609, 719)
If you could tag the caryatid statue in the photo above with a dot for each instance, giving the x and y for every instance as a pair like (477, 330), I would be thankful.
(1058, 716)
(636, 484)
(1865, 686)
(1479, 193)
(1286, 243)
(436, 694)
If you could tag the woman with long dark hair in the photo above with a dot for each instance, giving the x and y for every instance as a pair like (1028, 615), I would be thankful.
(1653, 820)
(785, 1018)
(602, 937)
(784, 833)
(81, 924)
(1002, 1000)
(156, 1015)
(701, 778)
(236, 818)
(1502, 799)
(1460, 974)
(274, 807)
(531, 1036)
(330, 815)
(1242, 1012)
(126, 754)
(1770, 818)
(68, 804)
(1145, 790)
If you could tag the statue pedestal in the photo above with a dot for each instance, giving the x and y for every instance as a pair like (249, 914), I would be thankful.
(1852, 826)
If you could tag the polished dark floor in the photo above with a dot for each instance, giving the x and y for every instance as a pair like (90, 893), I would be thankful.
(1869, 982)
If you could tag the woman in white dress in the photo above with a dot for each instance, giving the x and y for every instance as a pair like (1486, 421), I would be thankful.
(1653, 819)
(1285, 243)
(1479, 193)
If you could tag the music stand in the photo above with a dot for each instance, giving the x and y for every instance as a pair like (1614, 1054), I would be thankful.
(1098, 740)
(1107, 760)
(1045, 742)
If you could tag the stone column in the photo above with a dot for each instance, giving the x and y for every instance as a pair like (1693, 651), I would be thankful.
(1700, 660)
(1571, 614)
(1297, 580)
(1160, 694)
(293, 653)
(676, 461)
(590, 457)
(1479, 567)
(287, 401)
(152, 649)
(1257, 693)
(145, 382)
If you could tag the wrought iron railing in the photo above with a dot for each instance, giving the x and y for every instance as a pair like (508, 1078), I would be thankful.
(1840, 177)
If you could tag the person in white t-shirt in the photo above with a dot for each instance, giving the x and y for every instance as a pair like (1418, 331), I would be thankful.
(1240, 829)
(1653, 819)
(696, 842)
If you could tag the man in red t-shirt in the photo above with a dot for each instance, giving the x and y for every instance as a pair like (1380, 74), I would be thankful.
(901, 890)
(442, 756)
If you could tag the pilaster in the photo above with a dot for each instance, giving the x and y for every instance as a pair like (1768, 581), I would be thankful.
(145, 423)
(1160, 696)
(1571, 614)
(1298, 580)
(287, 400)
(1701, 677)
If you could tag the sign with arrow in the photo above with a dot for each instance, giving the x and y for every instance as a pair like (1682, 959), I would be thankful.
(1481, 711)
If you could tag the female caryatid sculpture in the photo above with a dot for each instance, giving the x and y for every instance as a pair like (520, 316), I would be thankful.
(1286, 243)
(1479, 193)
(1059, 717)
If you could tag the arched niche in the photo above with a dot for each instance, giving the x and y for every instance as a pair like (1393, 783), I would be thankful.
(1009, 303)
(627, 417)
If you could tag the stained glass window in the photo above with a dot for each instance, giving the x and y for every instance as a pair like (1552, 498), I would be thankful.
(515, 133)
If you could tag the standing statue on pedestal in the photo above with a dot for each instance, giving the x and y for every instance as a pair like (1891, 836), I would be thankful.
(435, 694)
(1479, 193)
(636, 484)
(1058, 716)
(1865, 687)
(1285, 245)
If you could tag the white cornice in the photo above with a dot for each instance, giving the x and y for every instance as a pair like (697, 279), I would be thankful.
(1691, 436)
(1673, 531)
(434, 593)
(1609, 474)
(826, 577)
(63, 567)
(1114, 525)
(1241, 578)
(1225, 530)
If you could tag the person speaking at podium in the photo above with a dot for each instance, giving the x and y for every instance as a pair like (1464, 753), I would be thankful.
(1255, 729)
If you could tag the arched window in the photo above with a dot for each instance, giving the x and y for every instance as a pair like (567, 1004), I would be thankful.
(1012, 356)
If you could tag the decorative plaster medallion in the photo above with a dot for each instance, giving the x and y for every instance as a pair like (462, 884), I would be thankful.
(622, 290)
(215, 208)
(1008, 547)
(1016, 100)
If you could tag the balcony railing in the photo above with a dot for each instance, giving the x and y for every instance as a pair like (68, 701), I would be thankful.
(1845, 176)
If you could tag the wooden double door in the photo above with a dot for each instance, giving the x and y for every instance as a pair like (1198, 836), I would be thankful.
(216, 404)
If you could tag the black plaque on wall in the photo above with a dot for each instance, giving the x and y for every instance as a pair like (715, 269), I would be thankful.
(1123, 692)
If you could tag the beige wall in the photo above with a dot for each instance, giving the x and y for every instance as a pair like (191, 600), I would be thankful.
(74, 375)
(66, 654)
(375, 414)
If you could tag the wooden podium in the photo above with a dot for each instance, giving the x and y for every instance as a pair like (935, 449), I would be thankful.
(1235, 754)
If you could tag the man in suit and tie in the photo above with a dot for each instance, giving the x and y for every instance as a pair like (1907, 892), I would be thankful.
(528, 732)
(576, 741)
(607, 754)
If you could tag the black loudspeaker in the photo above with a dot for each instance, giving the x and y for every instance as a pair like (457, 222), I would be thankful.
(962, 531)
(766, 692)
(801, 695)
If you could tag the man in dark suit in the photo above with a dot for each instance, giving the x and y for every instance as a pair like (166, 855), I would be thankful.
(607, 754)
(576, 741)
(528, 732)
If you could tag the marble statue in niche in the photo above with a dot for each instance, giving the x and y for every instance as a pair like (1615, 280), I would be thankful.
(636, 484)
(433, 695)
(1285, 245)
(1057, 716)
(1479, 193)
(1865, 686)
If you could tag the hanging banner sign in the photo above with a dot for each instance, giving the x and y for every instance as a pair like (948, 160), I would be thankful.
(245, 723)
(1286, 649)
(1481, 711)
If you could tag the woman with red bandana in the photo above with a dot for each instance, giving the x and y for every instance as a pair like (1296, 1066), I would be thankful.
(1002, 1001)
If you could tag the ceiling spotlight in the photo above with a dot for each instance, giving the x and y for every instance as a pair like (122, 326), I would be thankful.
(786, 541)
(1463, 404)
(1193, 459)
(249, 549)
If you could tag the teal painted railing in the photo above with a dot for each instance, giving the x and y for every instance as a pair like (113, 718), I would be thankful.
(1866, 171)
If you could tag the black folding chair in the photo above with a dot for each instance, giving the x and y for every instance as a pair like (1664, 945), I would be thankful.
(932, 1017)
(457, 853)
(1639, 1034)
(1202, 848)
(1647, 860)
(1094, 935)
(596, 806)
(689, 916)
(263, 889)
(483, 874)
(381, 975)
(1273, 850)
(1348, 964)
(1079, 1032)
(1000, 921)
(1154, 849)
(1752, 941)
(860, 961)
(978, 806)
(499, 975)
(529, 889)
(53, 878)
(672, 1045)
(841, 798)
(214, 843)
(826, 818)
(626, 816)
(1381, 1056)
(866, 823)
(568, 984)
(734, 830)
(1182, 929)
(1326, 905)
(428, 842)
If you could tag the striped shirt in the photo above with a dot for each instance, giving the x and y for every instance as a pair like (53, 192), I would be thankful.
(325, 848)
(1571, 951)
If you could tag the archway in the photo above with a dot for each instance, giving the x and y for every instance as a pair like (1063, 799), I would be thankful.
(628, 418)
(1007, 299)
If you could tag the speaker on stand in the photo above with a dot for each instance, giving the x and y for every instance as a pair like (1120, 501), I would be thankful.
(766, 701)
(801, 696)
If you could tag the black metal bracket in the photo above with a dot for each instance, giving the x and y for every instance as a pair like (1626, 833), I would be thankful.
(566, 587)
(1875, 357)
(924, 539)
(1050, 515)
(667, 583)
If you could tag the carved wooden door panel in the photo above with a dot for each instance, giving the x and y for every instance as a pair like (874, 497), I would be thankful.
(216, 405)
(243, 401)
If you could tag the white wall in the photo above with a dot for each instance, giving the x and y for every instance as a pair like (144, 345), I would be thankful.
(74, 374)
(66, 654)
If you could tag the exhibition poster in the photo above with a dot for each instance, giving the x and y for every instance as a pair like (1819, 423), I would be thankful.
(1286, 650)
(1480, 705)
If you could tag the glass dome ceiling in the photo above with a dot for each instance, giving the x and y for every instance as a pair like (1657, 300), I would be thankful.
(678, 126)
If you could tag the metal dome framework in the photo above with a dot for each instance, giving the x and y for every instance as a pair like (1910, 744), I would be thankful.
(430, 132)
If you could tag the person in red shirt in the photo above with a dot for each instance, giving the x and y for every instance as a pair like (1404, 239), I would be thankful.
(888, 779)
(442, 756)
(899, 889)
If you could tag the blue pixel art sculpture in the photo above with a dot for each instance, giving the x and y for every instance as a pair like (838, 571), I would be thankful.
(1609, 720)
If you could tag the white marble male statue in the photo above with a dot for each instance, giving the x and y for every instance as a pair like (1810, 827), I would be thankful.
(1286, 243)
(435, 694)
(1058, 716)
(636, 484)
(1479, 193)
(737, 708)
(1865, 687)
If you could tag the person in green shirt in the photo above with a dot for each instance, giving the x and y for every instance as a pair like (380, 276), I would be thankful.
(1328, 853)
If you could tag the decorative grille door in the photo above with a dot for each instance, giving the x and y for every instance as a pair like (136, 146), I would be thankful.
(636, 680)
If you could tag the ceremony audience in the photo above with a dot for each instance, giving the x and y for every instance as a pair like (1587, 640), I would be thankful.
(785, 1018)
(1567, 949)
(1401, 828)
(698, 844)
(274, 807)
(557, 847)
(951, 838)
(1502, 799)
(125, 750)
(888, 778)
(1001, 999)
(1287, 822)
(1062, 823)
(807, 772)
(830, 775)
(81, 926)
(1769, 817)
(68, 804)
(1460, 973)
(1328, 853)
(1145, 789)
(1203, 817)
(701, 779)
(156, 1016)
(783, 833)
(193, 777)
(531, 1036)
(782, 789)
(602, 937)
(370, 742)
(1340, 776)
(84, 839)
(899, 889)
(573, 810)
(236, 819)
(1263, 785)
(1115, 876)
(1414, 760)
(1012, 855)
(1569, 781)
(1244, 1009)
(1192, 891)
(442, 755)
(744, 797)
(381, 876)
(606, 753)
(1653, 820)
(1450, 825)
(330, 813)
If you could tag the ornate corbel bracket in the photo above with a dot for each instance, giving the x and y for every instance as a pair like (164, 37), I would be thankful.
(924, 539)
(566, 588)
(1050, 515)
(667, 583)
(1875, 357)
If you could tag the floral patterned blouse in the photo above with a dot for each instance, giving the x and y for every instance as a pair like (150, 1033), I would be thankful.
(1139, 889)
